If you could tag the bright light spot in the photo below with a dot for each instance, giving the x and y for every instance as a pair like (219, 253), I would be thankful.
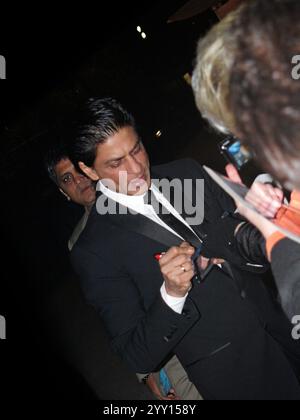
(158, 134)
(144, 36)
(139, 29)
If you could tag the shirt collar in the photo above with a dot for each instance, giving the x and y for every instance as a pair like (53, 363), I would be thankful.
(125, 200)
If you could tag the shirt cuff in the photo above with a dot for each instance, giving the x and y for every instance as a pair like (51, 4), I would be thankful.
(175, 303)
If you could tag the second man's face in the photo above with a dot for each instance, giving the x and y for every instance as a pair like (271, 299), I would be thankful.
(123, 160)
(75, 185)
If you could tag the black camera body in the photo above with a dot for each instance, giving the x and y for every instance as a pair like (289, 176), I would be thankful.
(234, 152)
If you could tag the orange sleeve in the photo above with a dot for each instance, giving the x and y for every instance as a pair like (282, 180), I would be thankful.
(295, 199)
(287, 219)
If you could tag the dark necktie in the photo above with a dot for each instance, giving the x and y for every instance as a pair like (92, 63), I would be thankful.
(169, 219)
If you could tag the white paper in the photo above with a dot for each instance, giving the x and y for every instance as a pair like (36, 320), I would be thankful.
(238, 193)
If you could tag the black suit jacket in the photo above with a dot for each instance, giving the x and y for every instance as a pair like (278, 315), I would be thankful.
(286, 269)
(225, 335)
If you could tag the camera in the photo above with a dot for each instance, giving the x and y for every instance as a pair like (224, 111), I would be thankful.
(234, 151)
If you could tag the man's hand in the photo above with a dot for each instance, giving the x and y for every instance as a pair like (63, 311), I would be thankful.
(178, 270)
(204, 263)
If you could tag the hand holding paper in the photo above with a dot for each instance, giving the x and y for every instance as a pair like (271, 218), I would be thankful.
(265, 198)
(260, 208)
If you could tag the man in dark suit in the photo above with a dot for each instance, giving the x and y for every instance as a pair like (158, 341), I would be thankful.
(231, 339)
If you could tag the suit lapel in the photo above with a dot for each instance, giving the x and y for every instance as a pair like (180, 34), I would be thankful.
(143, 226)
(179, 192)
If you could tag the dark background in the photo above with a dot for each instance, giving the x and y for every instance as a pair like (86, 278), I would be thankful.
(55, 59)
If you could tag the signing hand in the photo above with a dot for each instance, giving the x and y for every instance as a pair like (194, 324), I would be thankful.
(178, 269)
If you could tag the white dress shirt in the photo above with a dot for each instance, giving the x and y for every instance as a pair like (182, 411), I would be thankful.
(137, 204)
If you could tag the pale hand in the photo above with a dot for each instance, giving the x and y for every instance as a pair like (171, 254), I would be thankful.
(265, 198)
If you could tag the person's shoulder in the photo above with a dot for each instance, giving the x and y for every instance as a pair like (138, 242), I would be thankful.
(94, 232)
(79, 228)
(180, 167)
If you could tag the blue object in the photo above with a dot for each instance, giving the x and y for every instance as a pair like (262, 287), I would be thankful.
(200, 274)
(165, 382)
(235, 148)
(197, 253)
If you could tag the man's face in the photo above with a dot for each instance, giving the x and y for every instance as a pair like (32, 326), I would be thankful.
(78, 187)
(123, 159)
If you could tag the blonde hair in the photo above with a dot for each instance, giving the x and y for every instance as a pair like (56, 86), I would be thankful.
(262, 89)
(211, 76)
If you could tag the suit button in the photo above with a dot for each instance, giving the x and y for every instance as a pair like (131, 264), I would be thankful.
(167, 338)
(243, 294)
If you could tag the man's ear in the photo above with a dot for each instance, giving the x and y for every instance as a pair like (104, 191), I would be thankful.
(66, 195)
(89, 172)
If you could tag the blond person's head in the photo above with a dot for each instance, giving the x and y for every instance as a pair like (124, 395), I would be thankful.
(210, 82)
(265, 85)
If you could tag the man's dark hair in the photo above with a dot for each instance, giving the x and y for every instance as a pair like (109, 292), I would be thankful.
(264, 97)
(55, 154)
(99, 120)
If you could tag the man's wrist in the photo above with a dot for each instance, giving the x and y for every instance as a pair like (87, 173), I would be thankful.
(174, 294)
(175, 303)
